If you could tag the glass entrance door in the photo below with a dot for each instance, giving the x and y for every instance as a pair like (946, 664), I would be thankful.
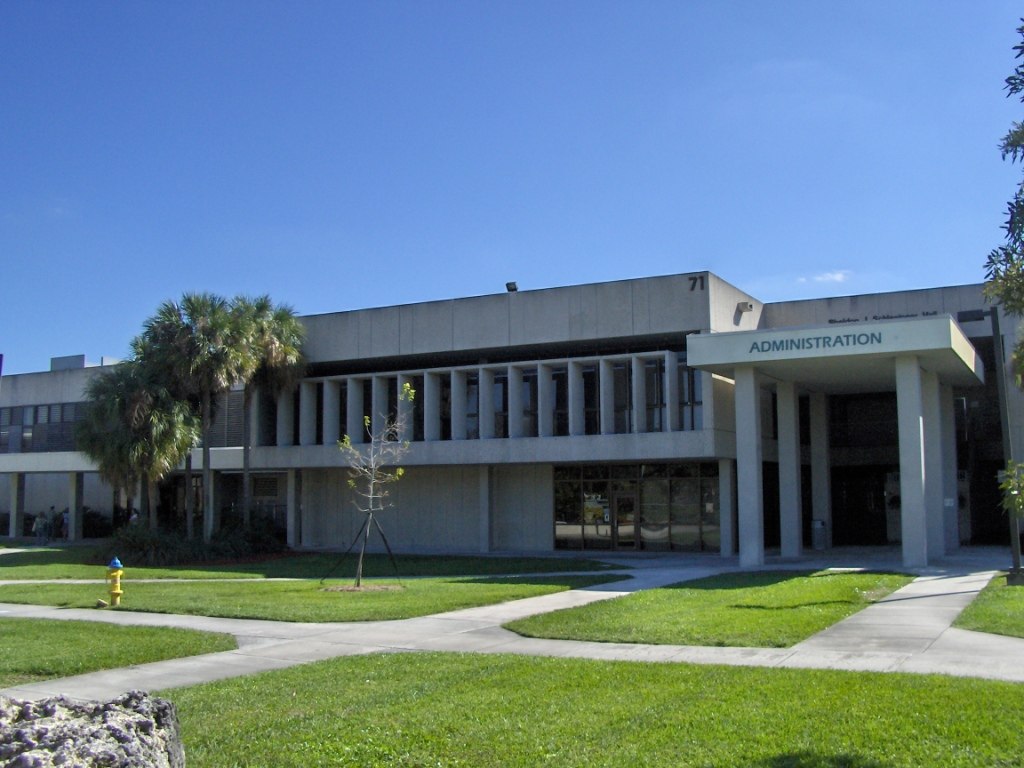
(625, 520)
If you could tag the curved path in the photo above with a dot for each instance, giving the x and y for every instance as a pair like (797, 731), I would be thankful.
(908, 631)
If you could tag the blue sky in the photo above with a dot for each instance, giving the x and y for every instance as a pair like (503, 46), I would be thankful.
(340, 155)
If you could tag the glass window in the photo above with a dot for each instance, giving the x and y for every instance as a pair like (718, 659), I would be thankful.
(654, 394)
(622, 390)
(473, 406)
(591, 401)
(560, 384)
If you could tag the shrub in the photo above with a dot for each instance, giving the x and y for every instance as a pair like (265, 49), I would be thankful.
(143, 546)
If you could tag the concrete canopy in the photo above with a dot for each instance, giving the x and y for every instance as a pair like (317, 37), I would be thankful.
(838, 359)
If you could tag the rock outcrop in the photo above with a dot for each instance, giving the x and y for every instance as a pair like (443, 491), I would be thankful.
(132, 731)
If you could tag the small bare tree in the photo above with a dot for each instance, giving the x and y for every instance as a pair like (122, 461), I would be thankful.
(374, 467)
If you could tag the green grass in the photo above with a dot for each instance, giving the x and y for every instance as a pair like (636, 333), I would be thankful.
(43, 649)
(765, 609)
(452, 710)
(998, 609)
(83, 562)
(302, 600)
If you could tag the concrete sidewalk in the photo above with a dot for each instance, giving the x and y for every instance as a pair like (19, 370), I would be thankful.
(909, 631)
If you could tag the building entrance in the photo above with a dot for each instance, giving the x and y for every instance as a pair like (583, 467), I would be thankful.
(624, 520)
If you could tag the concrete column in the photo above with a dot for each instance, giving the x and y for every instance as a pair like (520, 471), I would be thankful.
(515, 401)
(639, 404)
(256, 436)
(354, 407)
(934, 484)
(486, 415)
(294, 507)
(545, 402)
(607, 379)
(379, 407)
(727, 506)
(671, 421)
(307, 413)
(910, 417)
(707, 418)
(406, 408)
(16, 523)
(790, 508)
(431, 407)
(748, 467)
(577, 401)
(950, 491)
(459, 406)
(484, 480)
(821, 464)
(332, 412)
(285, 417)
(211, 518)
(76, 493)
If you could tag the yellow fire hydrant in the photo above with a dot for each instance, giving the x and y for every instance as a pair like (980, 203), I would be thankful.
(114, 571)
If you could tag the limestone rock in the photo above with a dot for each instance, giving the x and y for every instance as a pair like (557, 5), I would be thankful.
(133, 731)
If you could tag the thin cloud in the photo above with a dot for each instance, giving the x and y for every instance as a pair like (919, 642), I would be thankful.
(836, 276)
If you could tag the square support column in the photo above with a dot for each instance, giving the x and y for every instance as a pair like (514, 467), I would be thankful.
(484, 480)
(406, 407)
(16, 522)
(486, 415)
(606, 376)
(749, 468)
(910, 417)
(458, 405)
(638, 371)
(431, 407)
(727, 507)
(307, 413)
(671, 422)
(934, 485)
(354, 411)
(76, 493)
(294, 507)
(545, 401)
(332, 412)
(577, 400)
(950, 490)
(515, 402)
(286, 417)
(790, 507)
(821, 464)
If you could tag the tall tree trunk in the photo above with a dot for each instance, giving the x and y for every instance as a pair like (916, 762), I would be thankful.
(190, 499)
(208, 499)
(246, 445)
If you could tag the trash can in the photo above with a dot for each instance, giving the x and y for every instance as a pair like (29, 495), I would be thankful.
(818, 539)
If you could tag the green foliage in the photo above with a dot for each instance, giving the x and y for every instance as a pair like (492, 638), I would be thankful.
(1011, 483)
(765, 609)
(42, 649)
(510, 711)
(140, 545)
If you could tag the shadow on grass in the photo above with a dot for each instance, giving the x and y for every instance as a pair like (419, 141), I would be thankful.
(792, 606)
(755, 579)
(813, 760)
(77, 555)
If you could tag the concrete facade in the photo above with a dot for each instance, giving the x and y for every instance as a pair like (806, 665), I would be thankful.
(637, 414)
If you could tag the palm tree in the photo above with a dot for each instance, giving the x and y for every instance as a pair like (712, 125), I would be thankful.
(274, 337)
(201, 337)
(135, 430)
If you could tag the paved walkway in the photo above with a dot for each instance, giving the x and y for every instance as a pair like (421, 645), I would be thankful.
(909, 631)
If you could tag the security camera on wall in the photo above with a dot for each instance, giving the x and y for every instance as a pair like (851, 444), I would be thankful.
(745, 306)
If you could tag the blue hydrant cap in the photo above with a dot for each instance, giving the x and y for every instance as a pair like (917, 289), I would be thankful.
(115, 563)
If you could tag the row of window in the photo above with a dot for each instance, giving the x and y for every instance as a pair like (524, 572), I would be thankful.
(39, 428)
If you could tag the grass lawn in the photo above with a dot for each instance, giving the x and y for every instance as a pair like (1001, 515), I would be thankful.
(763, 609)
(38, 649)
(998, 609)
(83, 562)
(464, 710)
(303, 600)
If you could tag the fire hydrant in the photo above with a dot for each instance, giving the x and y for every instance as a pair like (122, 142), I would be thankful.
(114, 571)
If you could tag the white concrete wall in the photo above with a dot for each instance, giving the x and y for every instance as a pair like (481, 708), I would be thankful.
(432, 509)
(596, 311)
(523, 508)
